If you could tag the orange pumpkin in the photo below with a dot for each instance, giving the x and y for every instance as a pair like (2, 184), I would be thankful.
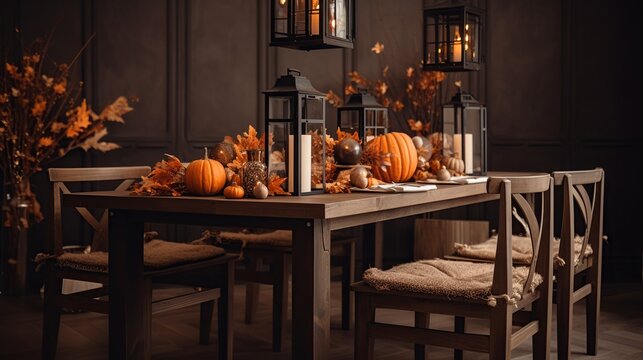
(403, 157)
(234, 191)
(205, 176)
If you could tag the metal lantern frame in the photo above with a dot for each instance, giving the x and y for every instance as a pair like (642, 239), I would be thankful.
(453, 38)
(299, 91)
(288, 16)
(459, 124)
(362, 103)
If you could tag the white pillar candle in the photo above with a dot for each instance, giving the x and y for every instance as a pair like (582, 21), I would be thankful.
(306, 161)
(291, 163)
(457, 146)
(468, 153)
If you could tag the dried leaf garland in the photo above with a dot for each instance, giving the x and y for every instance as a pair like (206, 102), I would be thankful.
(338, 187)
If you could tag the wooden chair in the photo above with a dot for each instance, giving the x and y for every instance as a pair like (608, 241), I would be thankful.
(501, 298)
(580, 278)
(267, 261)
(160, 260)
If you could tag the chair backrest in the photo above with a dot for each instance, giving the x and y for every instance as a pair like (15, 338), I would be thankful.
(574, 185)
(512, 190)
(59, 176)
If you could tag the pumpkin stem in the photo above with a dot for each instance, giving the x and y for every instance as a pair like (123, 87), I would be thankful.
(205, 150)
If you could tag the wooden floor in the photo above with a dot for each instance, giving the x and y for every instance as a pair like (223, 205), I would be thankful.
(175, 334)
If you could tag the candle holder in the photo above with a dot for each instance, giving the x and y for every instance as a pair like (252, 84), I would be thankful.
(312, 24)
(464, 132)
(453, 38)
(362, 113)
(295, 130)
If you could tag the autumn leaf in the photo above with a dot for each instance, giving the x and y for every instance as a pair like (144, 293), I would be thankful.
(80, 120)
(94, 143)
(116, 110)
(338, 187)
(341, 135)
(45, 142)
(275, 185)
(166, 178)
(333, 99)
(415, 125)
(378, 48)
(39, 106)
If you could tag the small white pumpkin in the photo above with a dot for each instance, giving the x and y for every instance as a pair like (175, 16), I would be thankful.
(455, 165)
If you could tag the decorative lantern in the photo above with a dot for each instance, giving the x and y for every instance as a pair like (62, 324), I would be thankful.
(295, 128)
(362, 113)
(453, 38)
(464, 129)
(312, 24)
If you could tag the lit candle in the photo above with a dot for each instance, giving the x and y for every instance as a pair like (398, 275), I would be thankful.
(314, 19)
(457, 47)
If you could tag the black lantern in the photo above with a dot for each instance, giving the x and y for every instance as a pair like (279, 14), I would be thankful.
(453, 38)
(464, 129)
(312, 24)
(362, 113)
(295, 128)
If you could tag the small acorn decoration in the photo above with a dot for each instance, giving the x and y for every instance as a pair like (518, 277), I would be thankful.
(260, 191)
(359, 177)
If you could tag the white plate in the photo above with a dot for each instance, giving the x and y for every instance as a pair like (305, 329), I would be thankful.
(457, 180)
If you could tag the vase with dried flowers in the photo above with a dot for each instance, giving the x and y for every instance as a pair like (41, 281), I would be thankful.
(43, 118)
(414, 106)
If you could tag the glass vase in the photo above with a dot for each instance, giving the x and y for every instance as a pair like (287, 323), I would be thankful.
(253, 171)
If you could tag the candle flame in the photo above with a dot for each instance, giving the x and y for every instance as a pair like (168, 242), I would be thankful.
(282, 2)
(466, 27)
(332, 23)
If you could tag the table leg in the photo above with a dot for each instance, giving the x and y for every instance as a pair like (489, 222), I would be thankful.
(311, 290)
(128, 318)
(372, 245)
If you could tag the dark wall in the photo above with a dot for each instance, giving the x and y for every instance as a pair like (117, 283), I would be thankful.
(558, 83)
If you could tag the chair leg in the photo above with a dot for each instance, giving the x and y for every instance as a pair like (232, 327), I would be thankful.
(348, 277)
(500, 337)
(364, 317)
(51, 316)
(593, 306)
(281, 274)
(564, 310)
(459, 327)
(252, 301)
(205, 325)
(422, 321)
(225, 313)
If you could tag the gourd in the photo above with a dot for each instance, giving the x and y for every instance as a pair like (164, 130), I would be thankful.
(260, 191)
(456, 165)
(205, 176)
(443, 174)
(234, 191)
(403, 157)
(359, 177)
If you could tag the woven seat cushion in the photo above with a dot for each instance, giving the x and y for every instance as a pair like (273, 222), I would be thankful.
(157, 254)
(520, 248)
(446, 278)
(272, 238)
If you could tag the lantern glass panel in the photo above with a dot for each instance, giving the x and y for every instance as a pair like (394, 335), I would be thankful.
(338, 19)
(472, 128)
(312, 107)
(472, 38)
(381, 117)
(279, 107)
(279, 149)
(312, 157)
(281, 18)
(349, 120)
(455, 42)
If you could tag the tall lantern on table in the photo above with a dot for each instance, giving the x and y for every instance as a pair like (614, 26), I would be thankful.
(312, 24)
(296, 128)
(362, 113)
(453, 38)
(464, 131)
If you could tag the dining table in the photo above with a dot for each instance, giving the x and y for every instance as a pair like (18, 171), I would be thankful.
(311, 219)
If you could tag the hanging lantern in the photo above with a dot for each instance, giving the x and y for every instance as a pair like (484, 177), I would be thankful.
(295, 128)
(362, 113)
(453, 38)
(312, 24)
(464, 132)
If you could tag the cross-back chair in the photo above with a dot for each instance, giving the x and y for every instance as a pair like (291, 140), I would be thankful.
(503, 294)
(160, 259)
(580, 277)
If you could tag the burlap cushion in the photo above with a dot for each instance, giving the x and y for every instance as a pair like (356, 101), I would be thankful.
(272, 238)
(446, 278)
(520, 248)
(157, 254)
